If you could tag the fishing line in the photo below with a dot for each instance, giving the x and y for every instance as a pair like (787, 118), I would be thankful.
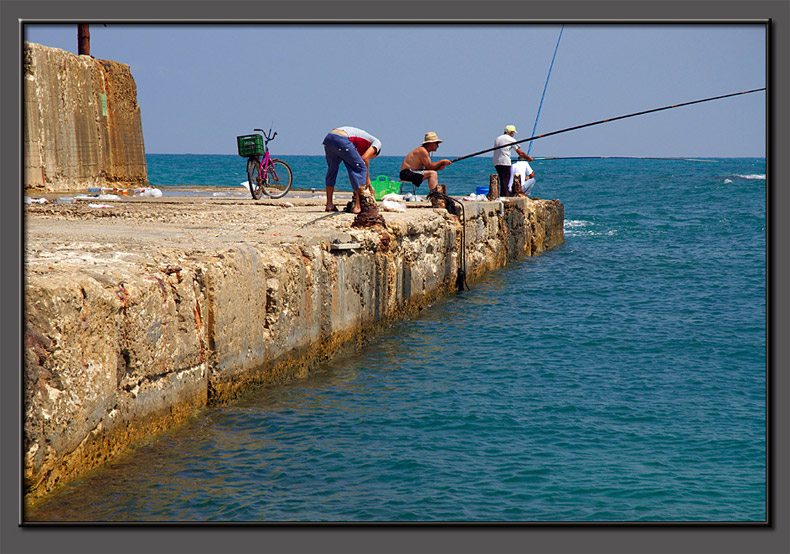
(611, 119)
(534, 128)
(623, 158)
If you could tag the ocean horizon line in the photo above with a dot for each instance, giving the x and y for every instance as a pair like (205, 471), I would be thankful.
(482, 156)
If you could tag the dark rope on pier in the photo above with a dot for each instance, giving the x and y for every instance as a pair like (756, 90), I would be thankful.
(612, 119)
(460, 281)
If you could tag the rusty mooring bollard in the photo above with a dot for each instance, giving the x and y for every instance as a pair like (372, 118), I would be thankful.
(437, 202)
(493, 187)
(369, 215)
(517, 190)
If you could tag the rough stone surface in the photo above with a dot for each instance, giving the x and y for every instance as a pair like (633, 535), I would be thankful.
(139, 314)
(82, 124)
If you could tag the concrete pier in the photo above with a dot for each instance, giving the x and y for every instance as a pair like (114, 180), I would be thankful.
(82, 123)
(139, 314)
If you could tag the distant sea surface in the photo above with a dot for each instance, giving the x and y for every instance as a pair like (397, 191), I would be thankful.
(619, 377)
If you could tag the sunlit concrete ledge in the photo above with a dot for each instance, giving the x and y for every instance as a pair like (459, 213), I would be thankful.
(140, 314)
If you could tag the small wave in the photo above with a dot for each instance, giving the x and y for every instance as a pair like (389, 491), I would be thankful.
(575, 223)
(753, 177)
(589, 233)
(577, 228)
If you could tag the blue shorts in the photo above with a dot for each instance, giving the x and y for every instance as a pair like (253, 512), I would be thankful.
(338, 148)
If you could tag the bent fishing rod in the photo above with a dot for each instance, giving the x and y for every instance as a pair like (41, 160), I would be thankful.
(677, 158)
(535, 127)
(610, 119)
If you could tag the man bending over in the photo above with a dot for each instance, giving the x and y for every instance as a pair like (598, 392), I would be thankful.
(355, 148)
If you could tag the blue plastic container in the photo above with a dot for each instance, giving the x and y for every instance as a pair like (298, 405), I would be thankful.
(482, 190)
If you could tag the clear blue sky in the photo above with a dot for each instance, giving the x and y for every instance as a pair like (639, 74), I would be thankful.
(199, 86)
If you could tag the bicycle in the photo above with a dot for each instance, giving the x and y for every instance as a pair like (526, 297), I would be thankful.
(265, 175)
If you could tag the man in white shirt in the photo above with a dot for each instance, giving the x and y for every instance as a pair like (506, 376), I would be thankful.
(502, 163)
(522, 168)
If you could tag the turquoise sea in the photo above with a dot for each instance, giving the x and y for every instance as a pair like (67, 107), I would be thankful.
(620, 377)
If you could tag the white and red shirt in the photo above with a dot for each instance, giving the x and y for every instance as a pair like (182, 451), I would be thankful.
(362, 140)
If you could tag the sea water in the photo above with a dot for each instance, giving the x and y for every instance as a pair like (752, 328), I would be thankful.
(618, 377)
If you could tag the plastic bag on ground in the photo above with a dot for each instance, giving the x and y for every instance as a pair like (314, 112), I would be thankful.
(390, 206)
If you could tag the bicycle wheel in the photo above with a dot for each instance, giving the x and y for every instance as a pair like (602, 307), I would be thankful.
(254, 177)
(278, 179)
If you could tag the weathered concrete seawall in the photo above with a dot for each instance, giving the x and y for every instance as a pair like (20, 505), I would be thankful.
(138, 315)
(82, 124)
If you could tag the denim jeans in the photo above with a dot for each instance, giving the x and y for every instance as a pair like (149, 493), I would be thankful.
(338, 148)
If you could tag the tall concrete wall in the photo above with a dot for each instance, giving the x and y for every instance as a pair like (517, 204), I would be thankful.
(82, 124)
(120, 343)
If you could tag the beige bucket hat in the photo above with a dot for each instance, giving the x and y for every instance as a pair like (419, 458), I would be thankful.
(431, 137)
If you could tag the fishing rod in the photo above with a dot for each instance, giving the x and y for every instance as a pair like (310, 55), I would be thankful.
(535, 127)
(622, 158)
(612, 119)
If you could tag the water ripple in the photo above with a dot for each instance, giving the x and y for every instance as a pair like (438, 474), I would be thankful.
(619, 377)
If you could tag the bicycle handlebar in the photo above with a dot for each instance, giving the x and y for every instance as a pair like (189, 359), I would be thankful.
(268, 138)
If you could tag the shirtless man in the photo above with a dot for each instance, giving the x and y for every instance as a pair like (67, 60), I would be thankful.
(417, 166)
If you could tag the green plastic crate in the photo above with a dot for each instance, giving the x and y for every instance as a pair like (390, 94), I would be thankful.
(250, 145)
(383, 186)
